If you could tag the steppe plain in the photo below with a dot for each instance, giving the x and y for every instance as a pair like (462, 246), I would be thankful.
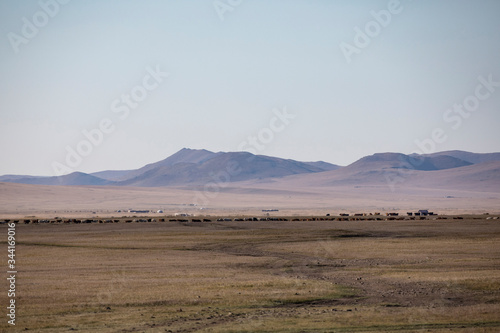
(259, 276)
(299, 271)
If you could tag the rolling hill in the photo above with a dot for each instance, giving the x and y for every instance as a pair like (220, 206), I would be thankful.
(473, 158)
(75, 178)
(192, 167)
(198, 167)
(187, 166)
(399, 171)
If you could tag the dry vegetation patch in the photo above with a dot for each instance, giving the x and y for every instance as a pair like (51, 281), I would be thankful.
(259, 277)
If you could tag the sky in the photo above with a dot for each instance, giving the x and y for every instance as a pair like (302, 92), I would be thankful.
(114, 85)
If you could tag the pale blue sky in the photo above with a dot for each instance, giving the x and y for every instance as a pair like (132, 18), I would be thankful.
(227, 76)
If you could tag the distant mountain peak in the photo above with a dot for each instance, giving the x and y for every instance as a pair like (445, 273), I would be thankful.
(473, 158)
(199, 166)
(186, 149)
(381, 161)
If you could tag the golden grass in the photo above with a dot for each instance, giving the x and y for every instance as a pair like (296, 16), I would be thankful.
(258, 277)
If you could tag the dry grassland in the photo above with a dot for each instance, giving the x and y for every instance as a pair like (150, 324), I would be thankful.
(321, 276)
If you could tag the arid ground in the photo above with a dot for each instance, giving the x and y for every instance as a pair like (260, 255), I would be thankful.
(273, 276)
(21, 200)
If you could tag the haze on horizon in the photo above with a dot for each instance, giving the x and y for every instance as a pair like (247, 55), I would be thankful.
(306, 80)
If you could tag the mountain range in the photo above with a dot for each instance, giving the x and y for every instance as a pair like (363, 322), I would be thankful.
(191, 167)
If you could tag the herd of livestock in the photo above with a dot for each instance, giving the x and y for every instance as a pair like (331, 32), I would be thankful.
(341, 217)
